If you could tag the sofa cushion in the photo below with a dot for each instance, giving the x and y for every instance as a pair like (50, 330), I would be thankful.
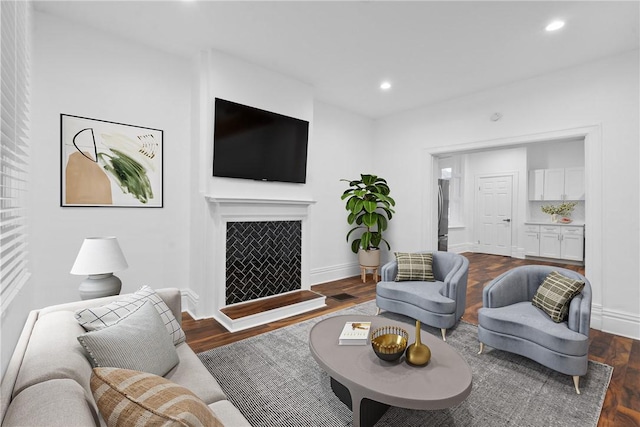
(191, 373)
(428, 298)
(228, 414)
(138, 341)
(554, 295)
(414, 266)
(54, 353)
(126, 398)
(53, 403)
(96, 318)
(530, 323)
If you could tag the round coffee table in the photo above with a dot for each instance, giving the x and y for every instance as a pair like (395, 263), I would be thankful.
(369, 385)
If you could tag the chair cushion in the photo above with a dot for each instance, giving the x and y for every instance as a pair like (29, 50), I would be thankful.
(96, 318)
(139, 341)
(554, 295)
(427, 296)
(530, 323)
(127, 398)
(414, 266)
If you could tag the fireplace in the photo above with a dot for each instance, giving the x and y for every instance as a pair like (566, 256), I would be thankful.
(259, 250)
(263, 258)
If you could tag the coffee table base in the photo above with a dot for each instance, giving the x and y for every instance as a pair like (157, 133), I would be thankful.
(370, 410)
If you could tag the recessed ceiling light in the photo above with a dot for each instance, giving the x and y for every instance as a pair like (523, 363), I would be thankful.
(555, 25)
(385, 85)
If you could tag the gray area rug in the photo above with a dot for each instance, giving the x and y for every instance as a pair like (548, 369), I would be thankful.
(274, 381)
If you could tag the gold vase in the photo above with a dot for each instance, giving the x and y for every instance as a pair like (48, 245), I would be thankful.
(417, 353)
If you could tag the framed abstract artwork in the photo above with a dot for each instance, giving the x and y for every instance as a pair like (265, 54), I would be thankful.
(110, 164)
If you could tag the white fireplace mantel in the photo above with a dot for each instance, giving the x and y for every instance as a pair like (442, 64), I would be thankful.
(225, 209)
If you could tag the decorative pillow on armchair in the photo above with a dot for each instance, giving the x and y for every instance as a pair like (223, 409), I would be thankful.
(415, 266)
(131, 398)
(96, 318)
(554, 295)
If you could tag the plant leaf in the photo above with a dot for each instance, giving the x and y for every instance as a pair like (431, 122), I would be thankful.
(370, 219)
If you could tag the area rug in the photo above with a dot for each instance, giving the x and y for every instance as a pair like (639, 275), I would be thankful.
(274, 381)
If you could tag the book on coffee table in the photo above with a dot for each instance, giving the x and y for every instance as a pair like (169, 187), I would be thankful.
(355, 333)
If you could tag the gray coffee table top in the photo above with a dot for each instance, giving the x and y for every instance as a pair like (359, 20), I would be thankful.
(444, 382)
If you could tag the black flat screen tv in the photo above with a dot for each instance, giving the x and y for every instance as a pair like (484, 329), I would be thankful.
(251, 143)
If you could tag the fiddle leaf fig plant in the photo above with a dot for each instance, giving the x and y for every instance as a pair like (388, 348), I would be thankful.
(370, 209)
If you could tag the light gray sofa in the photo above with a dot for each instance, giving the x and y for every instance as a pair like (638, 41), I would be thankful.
(47, 379)
(439, 304)
(509, 321)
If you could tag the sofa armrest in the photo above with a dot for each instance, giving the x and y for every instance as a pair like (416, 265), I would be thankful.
(508, 288)
(389, 271)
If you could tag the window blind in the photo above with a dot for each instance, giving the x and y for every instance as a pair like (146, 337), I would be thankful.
(15, 147)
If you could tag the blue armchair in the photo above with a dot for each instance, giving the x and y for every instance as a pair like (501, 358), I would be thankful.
(508, 321)
(439, 304)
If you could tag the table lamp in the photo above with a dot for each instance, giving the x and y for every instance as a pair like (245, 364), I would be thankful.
(99, 258)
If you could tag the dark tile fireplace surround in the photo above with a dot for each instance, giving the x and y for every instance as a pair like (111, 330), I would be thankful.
(263, 258)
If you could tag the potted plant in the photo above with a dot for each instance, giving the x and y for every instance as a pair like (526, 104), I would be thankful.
(370, 209)
(563, 209)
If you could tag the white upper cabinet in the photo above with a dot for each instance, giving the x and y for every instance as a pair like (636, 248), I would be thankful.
(574, 184)
(556, 184)
(536, 184)
(553, 184)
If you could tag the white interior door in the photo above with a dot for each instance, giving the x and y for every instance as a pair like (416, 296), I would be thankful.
(494, 214)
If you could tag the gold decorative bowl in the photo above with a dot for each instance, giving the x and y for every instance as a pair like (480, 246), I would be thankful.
(389, 342)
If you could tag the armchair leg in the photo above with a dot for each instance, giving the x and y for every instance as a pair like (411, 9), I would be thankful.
(481, 347)
(444, 332)
(378, 310)
(576, 380)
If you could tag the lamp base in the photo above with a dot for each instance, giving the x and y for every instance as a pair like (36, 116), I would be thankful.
(100, 285)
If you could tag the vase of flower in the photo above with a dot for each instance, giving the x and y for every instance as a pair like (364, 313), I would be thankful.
(559, 211)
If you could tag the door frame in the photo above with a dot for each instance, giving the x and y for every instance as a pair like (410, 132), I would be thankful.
(593, 162)
(514, 206)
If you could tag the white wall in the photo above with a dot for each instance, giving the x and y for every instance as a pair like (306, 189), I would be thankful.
(602, 94)
(82, 72)
(336, 137)
(342, 150)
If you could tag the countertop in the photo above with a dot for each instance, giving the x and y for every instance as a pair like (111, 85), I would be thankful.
(571, 224)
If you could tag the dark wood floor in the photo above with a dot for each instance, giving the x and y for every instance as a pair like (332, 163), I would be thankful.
(621, 407)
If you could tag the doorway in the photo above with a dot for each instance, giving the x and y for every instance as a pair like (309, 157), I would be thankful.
(494, 214)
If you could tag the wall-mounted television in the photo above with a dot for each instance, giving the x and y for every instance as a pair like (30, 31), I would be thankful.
(251, 143)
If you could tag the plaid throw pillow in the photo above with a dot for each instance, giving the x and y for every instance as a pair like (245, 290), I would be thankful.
(554, 295)
(414, 267)
(132, 398)
(93, 319)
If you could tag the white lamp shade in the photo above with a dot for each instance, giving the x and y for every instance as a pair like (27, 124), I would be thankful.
(99, 255)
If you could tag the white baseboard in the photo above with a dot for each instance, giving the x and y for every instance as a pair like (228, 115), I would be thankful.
(334, 272)
(190, 301)
(621, 323)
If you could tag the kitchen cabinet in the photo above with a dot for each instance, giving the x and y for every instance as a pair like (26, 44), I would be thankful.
(556, 184)
(554, 241)
(532, 240)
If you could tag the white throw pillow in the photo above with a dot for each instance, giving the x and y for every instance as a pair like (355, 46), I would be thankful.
(96, 318)
(138, 341)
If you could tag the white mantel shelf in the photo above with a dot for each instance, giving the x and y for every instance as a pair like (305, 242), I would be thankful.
(257, 201)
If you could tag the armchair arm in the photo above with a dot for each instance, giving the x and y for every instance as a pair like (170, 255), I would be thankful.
(579, 319)
(509, 288)
(389, 271)
(455, 282)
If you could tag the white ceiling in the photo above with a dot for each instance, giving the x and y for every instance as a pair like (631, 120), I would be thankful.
(430, 51)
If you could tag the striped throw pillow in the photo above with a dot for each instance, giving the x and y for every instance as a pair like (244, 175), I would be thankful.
(95, 318)
(414, 266)
(554, 295)
(132, 398)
